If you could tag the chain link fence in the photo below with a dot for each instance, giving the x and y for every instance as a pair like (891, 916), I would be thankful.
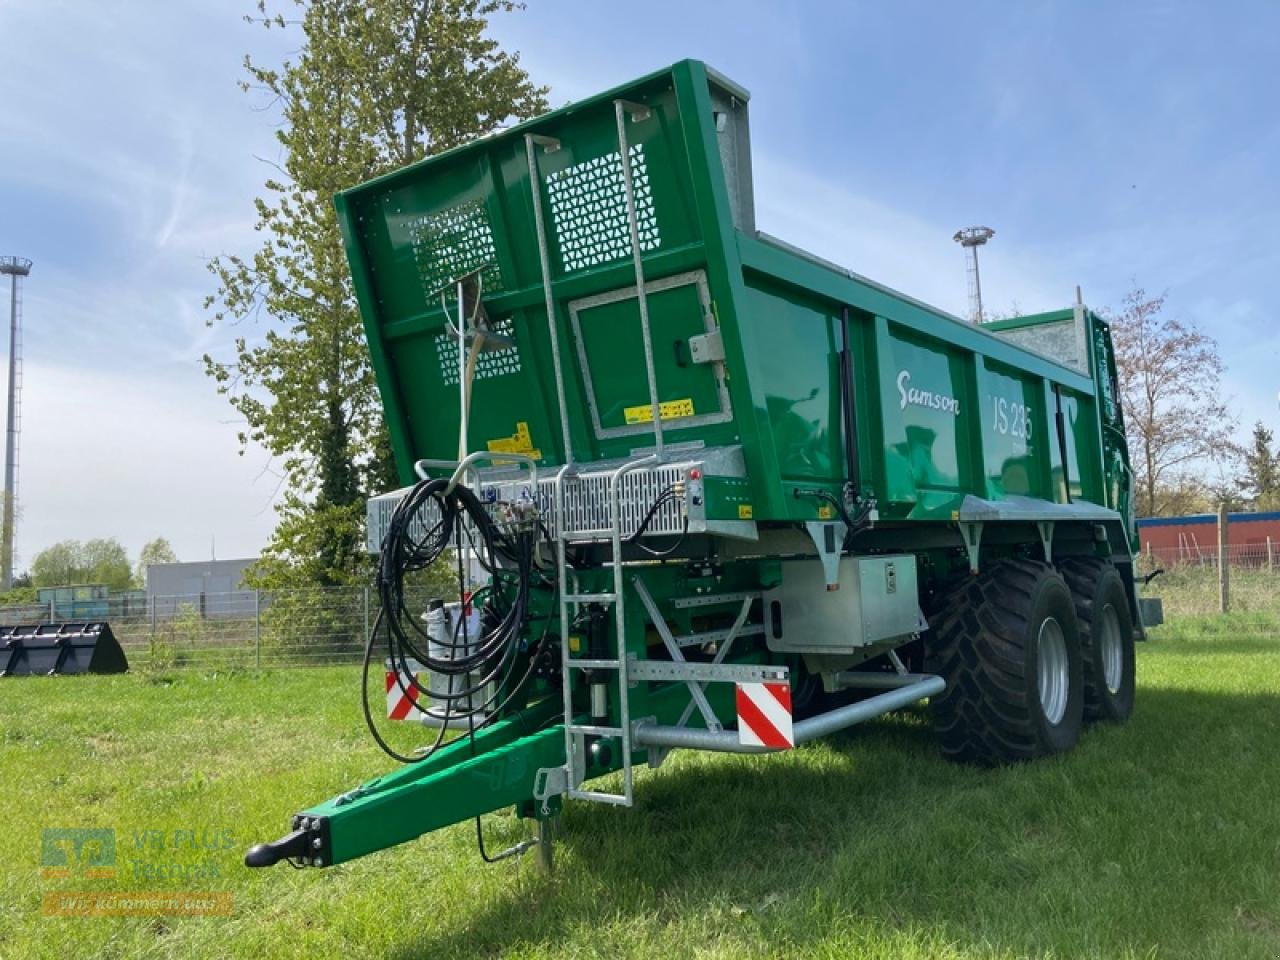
(1190, 586)
(1260, 555)
(244, 629)
(251, 629)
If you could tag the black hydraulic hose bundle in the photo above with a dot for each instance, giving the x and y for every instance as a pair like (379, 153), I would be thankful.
(472, 664)
(671, 493)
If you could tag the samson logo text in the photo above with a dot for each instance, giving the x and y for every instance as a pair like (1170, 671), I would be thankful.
(915, 397)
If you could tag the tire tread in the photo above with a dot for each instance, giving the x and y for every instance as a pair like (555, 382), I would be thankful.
(987, 714)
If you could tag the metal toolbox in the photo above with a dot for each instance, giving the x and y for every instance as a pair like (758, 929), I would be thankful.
(875, 600)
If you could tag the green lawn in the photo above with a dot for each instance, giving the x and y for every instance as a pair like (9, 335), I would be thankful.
(1159, 839)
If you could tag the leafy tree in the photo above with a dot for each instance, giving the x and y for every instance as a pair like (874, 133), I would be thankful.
(68, 562)
(1260, 481)
(1171, 387)
(59, 565)
(376, 84)
(19, 593)
(106, 561)
(299, 554)
(300, 534)
(158, 550)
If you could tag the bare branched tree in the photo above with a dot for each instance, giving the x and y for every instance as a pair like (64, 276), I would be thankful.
(1178, 421)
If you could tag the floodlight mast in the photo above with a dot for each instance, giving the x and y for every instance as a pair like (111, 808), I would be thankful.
(15, 268)
(971, 238)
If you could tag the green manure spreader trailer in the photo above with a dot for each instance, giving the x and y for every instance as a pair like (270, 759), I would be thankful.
(719, 494)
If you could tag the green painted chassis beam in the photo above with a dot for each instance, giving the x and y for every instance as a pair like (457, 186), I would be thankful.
(449, 786)
(453, 785)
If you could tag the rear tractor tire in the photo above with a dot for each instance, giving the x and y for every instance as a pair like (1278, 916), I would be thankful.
(1007, 644)
(1106, 637)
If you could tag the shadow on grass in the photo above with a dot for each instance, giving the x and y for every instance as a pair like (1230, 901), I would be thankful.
(1143, 837)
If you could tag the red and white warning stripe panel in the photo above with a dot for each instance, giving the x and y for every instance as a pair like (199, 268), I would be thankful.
(403, 704)
(764, 715)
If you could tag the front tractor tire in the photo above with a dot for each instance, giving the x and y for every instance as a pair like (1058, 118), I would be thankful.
(1007, 643)
(1106, 637)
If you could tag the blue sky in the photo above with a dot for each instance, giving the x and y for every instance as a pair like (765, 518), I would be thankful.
(1105, 143)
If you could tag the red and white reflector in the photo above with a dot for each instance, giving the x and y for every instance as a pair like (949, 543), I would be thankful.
(764, 715)
(402, 704)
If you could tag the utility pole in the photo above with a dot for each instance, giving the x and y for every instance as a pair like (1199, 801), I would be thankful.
(15, 268)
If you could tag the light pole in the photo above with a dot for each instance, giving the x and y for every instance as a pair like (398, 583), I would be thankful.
(16, 268)
(971, 238)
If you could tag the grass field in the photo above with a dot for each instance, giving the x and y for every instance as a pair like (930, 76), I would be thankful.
(1158, 839)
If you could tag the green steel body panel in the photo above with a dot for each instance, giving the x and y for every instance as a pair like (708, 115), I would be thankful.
(946, 409)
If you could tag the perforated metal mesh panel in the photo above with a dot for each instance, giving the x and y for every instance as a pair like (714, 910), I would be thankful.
(452, 242)
(493, 364)
(586, 504)
(589, 210)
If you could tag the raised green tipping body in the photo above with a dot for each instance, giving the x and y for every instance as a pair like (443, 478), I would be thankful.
(947, 408)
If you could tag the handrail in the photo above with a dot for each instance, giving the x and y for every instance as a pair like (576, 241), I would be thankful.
(621, 109)
(548, 297)
(468, 463)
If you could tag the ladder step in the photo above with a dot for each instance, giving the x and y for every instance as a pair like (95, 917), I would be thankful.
(590, 597)
(594, 730)
(595, 664)
(617, 799)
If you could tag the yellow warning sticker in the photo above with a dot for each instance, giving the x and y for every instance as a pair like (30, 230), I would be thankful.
(518, 442)
(826, 512)
(671, 410)
(744, 511)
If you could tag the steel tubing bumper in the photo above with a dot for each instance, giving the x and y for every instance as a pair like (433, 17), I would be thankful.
(855, 679)
(726, 741)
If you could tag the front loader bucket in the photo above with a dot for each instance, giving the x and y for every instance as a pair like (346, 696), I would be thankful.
(60, 648)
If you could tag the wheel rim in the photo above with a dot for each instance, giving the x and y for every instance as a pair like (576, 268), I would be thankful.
(1051, 670)
(1112, 649)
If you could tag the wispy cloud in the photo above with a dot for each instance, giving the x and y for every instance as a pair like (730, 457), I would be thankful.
(180, 188)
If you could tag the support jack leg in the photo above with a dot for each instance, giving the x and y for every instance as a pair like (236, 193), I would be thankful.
(548, 828)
